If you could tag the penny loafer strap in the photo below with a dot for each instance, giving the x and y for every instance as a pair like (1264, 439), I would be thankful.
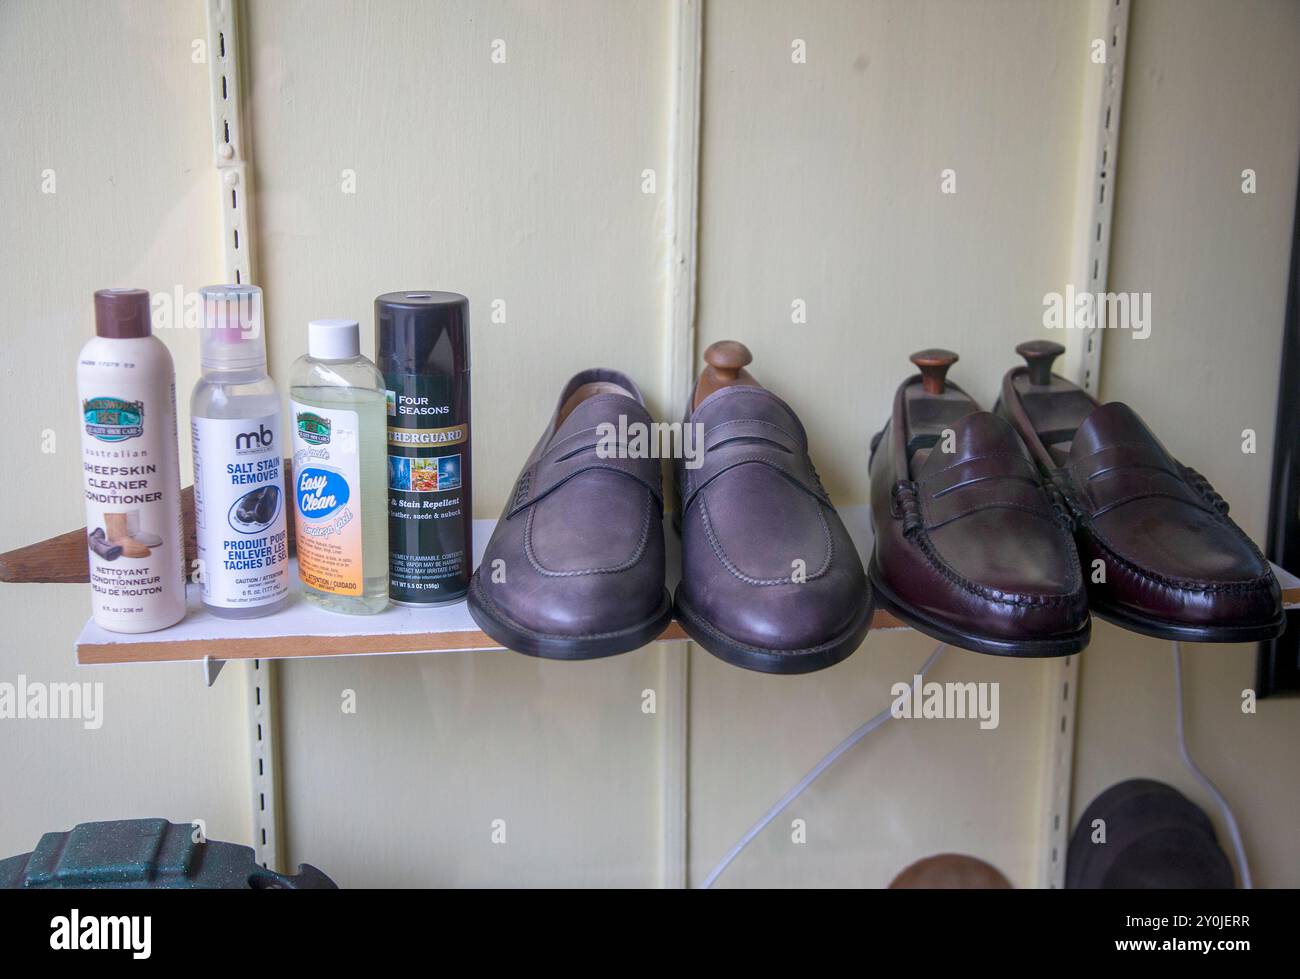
(1120, 474)
(545, 476)
(796, 467)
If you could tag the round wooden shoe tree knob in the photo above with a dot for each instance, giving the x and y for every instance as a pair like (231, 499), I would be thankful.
(934, 364)
(725, 366)
(1039, 355)
(728, 358)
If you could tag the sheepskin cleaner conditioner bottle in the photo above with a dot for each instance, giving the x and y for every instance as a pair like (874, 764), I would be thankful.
(239, 501)
(129, 468)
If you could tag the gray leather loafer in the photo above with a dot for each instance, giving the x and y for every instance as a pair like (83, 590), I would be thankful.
(771, 580)
(575, 567)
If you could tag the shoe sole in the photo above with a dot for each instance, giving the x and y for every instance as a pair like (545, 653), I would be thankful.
(1181, 632)
(514, 636)
(786, 662)
(1057, 645)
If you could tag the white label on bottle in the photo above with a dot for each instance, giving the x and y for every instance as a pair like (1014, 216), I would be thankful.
(132, 487)
(239, 511)
(327, 494)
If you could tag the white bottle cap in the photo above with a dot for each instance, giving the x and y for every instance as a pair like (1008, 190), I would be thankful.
(334, 339)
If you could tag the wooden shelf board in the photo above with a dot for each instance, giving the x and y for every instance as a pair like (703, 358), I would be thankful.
(301, 630)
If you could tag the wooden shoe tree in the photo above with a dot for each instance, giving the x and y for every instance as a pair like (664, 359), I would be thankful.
(933, 405)
(586, 391)
(726, 361)
(1056, 408)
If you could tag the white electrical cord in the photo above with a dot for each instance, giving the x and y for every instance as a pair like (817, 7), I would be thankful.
(811, 777)
(1243, 868)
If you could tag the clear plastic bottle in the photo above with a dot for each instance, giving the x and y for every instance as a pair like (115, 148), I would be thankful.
(239, 493)
(339, 418)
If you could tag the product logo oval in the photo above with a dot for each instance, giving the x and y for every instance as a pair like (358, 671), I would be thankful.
(320, 492)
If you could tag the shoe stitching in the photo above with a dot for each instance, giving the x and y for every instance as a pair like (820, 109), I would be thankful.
(752, 421)
(721, 553)
(543, 570)
(919, 533)
(1260, 581)
(931, 552)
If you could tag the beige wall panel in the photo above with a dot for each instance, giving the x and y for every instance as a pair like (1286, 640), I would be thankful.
(521, 182)
(1211, 90)
(106, 96)
(821, 181)
(406, 791)
(910, 789)
(518, 182)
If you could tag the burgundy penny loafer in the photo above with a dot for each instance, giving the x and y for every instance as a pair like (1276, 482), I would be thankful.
(969, 547)
(1175, 566)
(771, 580)
(575, 566)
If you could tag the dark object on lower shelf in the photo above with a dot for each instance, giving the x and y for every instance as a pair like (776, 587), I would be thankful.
(950, 872)
(146, 853)
(1152, 836)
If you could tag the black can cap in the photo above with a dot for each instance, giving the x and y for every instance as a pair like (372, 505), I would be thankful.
(122, 314)
(422, 330)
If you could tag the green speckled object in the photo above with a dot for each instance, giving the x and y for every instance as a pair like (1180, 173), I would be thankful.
(145, 853)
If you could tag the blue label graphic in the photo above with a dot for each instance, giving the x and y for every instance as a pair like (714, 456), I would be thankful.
(320, 492)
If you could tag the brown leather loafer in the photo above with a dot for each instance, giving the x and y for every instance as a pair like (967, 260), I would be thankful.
(575, 566)
(969, 547)
(771, 580)
(1172, 564)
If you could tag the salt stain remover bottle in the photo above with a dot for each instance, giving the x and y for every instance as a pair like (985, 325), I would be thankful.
(239, 494)
(130, 473)
(339, 426)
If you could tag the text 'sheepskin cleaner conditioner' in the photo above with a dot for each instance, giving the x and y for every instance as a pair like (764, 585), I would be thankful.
(130, 470)
(239, 498)
(422, 340)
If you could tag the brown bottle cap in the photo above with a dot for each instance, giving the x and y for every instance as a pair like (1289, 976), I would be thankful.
(122, 314)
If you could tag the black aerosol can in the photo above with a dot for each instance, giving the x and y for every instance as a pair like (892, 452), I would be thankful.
(423, 353)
